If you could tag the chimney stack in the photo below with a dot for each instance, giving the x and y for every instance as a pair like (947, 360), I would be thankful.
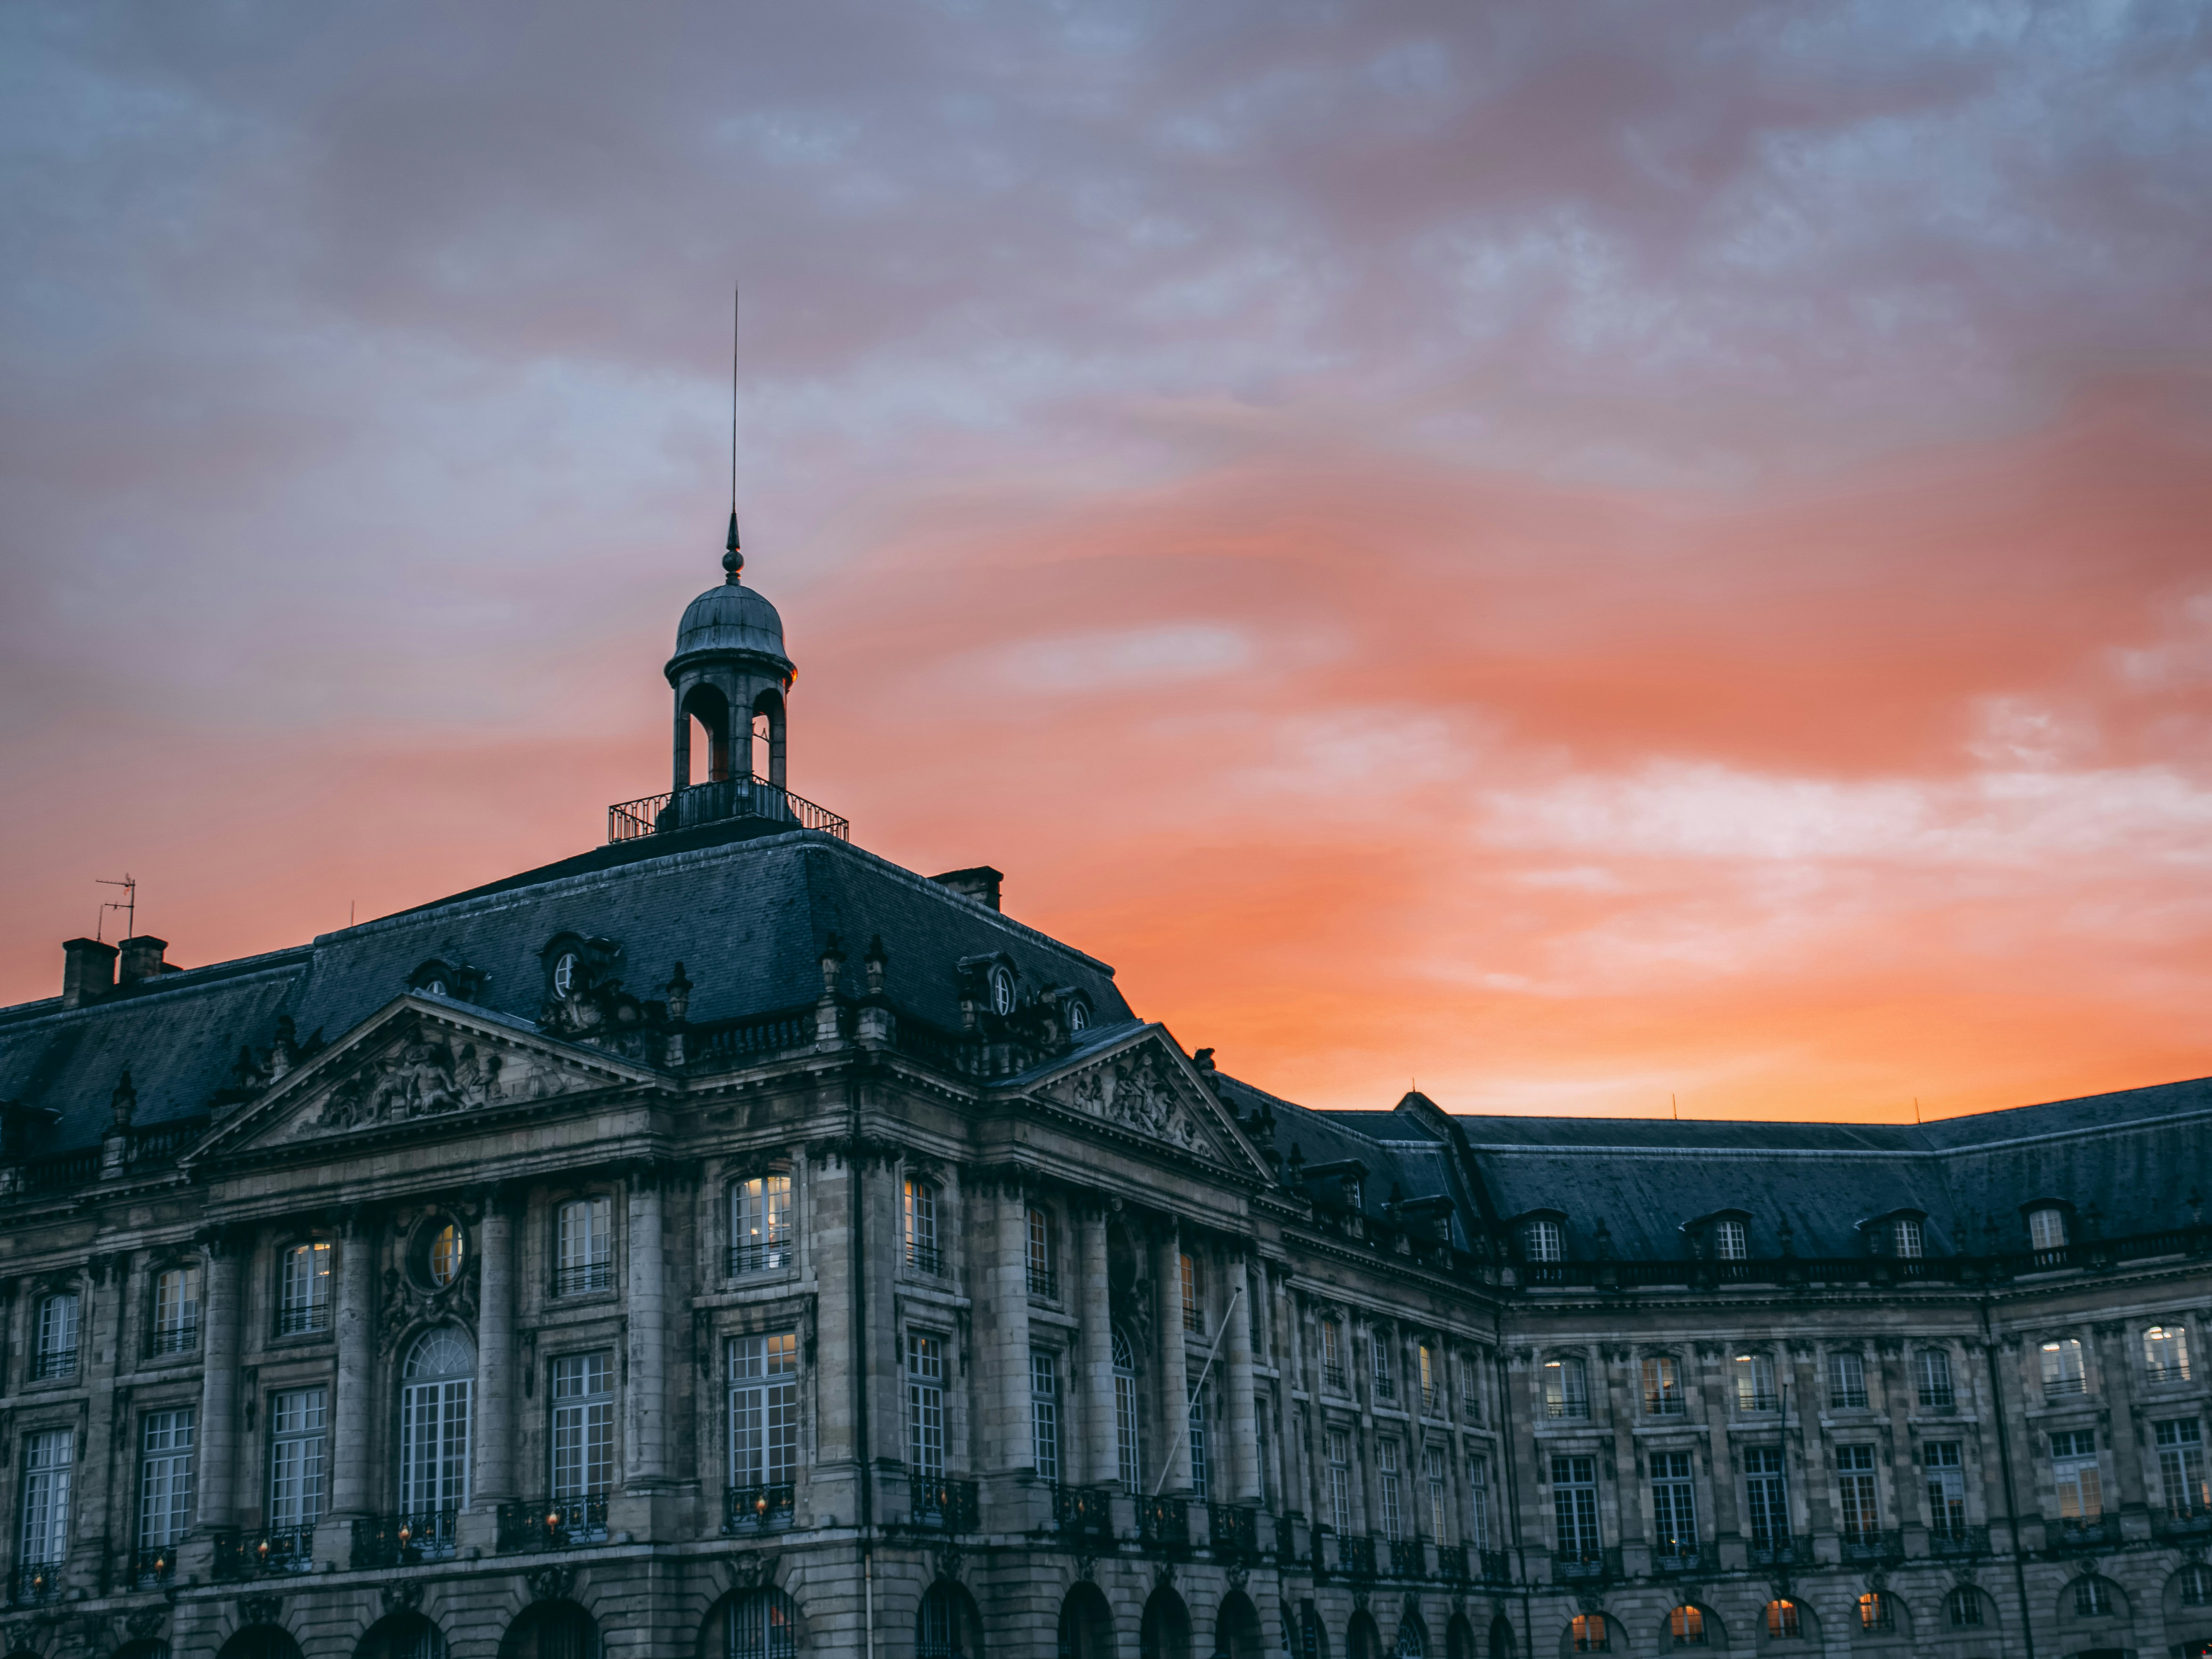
(142, 959)
(980, 884)
(87, 971)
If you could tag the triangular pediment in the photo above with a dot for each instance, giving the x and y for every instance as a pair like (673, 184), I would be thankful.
(418, 1061)
(1143, 1084)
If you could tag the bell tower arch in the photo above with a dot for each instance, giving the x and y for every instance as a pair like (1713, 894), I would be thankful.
(732, 678)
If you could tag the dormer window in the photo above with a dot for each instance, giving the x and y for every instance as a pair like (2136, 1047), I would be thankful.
(1355, 1194)
(1078, 1016)
(2047, 1227)
(564, 974)
(1731, 1240)
(1904, 1237)
(1002, 990)
(1542, 1241)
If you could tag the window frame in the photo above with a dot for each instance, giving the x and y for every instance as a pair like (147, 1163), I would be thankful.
(589, 1429)
(179, 1335)
(761, 1209)
(314, 1315)
(921, 1204)
(594, 1271)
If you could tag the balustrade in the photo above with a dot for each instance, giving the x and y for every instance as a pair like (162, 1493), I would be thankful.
(553, 1523)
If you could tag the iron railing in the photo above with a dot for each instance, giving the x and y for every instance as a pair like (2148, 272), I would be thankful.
(1408, 1559)
(1355, 1556)
(1496, 1568)
(585, 1277)
(1958, 1541)
(1683, 1558)
(925, 1258)
(33, 1582)
(1580, 1566)
(1163, 1523)
(1082, 1511)
(153, 1565)
(772, 1255)
(1234, 1530)
(181, 1338)
(940, 1505)
(1873, 1546)
(1779, 1550)
(1043, 1283)
(304, 1317)
(403, 1540)
(1452, 1564)
(742, 797)
(554, 1524)
(2190, 1520)
(270, 1550)
(757, 1509)
(54, 1361)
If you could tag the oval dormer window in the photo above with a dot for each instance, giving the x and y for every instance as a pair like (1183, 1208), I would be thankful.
(2047, 1227)
(564, 974)
(1002, 991)
(436, 987)
(1078, 1016)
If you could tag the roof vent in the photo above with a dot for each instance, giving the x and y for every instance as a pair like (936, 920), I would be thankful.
(980, 884)
(142, 959)
(87, 971)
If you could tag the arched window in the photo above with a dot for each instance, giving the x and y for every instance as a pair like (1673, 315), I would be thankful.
(1933, 1371)
(2046, 1229)
(585, 1247)
(760, 1223)
(1125, 1410)
(2196, 1586)
(1904, 1237)
(1874, 1612)
(1686, 1626)
(1409, 1640)
(2165, 1353)
(1086, 1625)
(436, 1387)
(940, 1625)
(918, 1213)
(303, 1291)
(1043, 1277)
(552, 1630)
(1313, 1635)
(56, 1353)
(1566, 1387)
(2062, 1368)
(2093, 1598)
(1541, 1240)
(1965, 1607)
(1588, 1633)
(1782, 1622)
(402, 1635)
(176, 1309)
(761, 1623)
(1731, 1240)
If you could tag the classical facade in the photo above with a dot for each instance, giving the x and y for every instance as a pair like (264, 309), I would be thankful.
(727, 1244)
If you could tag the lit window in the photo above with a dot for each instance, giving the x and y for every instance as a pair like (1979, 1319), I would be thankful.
(1905, 1237)
(1688, 1626)
(1566, 1389)
(2093, 1599)
(446, 1251)
(1424, 1363)
(1855, 1481)
(1874, 1611)
(1541, 1241)
(1193, 1315)
(2062, 1368)
(2046, 1229)
(304, 1289)
(1947, 1488)
(1754, 1383)
(919, 1202)
(1782, 1622)
(760, 1224)
(1662, 1386)
(2075, 1470)
(1731, 1243)
(2165, 1353)
(1589, 1633)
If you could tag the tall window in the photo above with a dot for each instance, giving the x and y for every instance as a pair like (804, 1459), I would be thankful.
(1431, 1385)
(1478, 1502)
(764, 1412)
(298, 1423)
(937, 1626)
(1686, 1624)
(1754, 1383)
(2062, 1369)
(1432, 1472)
(165, 1478)
(1947, 1488)
(1043, 1280)
(585, 1247)
(1874, 1612)
(1125, 1411)
(1262, 1445)
(1662, 1386)
(583, 1425)
(1541, 1240)
(1932, 1370)
(1847, 1390)
(925, 1403)
(1566, 1389)
(56, 1355)
(436, 1385)
(2197, 1587)
(1965, 1607)
(1340, 1480)
(1766, 1498)
(1904, 1237)
(1201, 1482)
(303, 1291)
(1392, 1483)
(1574, 1505)
(2165, 1353)
(1044, 1415)
(1332, 1355)
(1589, 1632)
(1193, 1315)
(46, 1469)
(1783, 1623)
(761, 1623)
(1674, 1504)
(2074, 1468)
(1470, 1391)
(2047, 1229)
(760, 1223)
(1855, 1479)
(1731, 1240)
(918, 1203)
(2093, 1599)
(1378, 1345)
(2181, 1468)
(177, 1309)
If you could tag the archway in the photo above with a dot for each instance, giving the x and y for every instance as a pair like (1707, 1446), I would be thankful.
(402, 1636)
(754, 1624)
(551, 1630)
(1236, 1628)
(1086, 1624)
(946, 1625)
(1165, 1632)
(1312, 1635)
(1362, 1638)
(1412, 1637)
(1501, 1639)
(711, 710)
(261, 1642)
(1459, 1639)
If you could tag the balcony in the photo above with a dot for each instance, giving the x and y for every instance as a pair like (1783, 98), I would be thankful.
(175, 1338)
(34, 1582)
(1044, 1284)
(1662, 1405)
(270, 1550)
(767, 1257)
(2080, 1534)
(1451, 1563)
(1355, 1557)
(742, 797)
(1958, 1541)
(1082, 1512)
(1495, 1569)
(924, 1259)
(1779, 1550)
(404, 1540)
(54, 1361)
(1235, 1530)
(757, 1509)
(1384, 1387)
(2165, 1376)
(1163, 1523)
(554, 1524)
(1752, 1402)
(1873, 1546)
(2191, 1521)
(1581, 1566)
(1332, 1378)
(941, 1505)
(1408, 1559)
(1193, 1318)
(1682, 1558)
(2056, 1387)
(584, 1278)
(308, 1316)
(154, 1566)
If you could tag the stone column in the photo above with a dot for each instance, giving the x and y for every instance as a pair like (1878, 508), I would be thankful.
(355, 1407)
(1243, 1440)
(2115, 1376)
(1011, 1448)
(1100, 1429)
(221, 1320)
(1175, 1377)
(495, 1378)
(645, 1402)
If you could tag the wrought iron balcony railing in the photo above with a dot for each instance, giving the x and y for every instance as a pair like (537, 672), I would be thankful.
(1082, 1511)
(924, 1258)
(553, 1523)
(1408, 1559)
(583, 1277)
(270, 1550)
(2187, 1522)
(1779, 1550)
(1958, 1541)
(34, 1582)
(1452, 1563)
(54, 1361)
(1355, 1556)
(181, 1338)
(306, 1317)
(742, 797)
(1234, 1530)
(1680, 1557)
(757, 1509)
(1496, 1568)
(403, 1541)
(941, 1504)
(1163, 1523)
(1873, 1546)
(1044, 1284)
(1580, 1566)
(153, 1565)
(768, 1256)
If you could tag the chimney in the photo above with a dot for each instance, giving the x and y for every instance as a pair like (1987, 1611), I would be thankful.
(142, 959)
(980, 884)
(87, 971)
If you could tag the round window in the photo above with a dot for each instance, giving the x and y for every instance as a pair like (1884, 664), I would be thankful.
(438, 1252)
(1002, 990)
(1078, 1016)
(564, 974)
(445, 1247)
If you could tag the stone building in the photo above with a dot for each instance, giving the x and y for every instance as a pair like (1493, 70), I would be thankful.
(727, 1243)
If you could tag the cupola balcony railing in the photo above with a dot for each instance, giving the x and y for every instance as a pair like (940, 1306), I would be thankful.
(743, 797)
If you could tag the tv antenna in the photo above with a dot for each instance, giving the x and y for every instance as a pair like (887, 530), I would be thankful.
(128, 904)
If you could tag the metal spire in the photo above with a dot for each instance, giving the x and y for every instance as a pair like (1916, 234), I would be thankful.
(733, 562)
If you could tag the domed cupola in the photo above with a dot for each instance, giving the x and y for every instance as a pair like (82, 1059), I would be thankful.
(731, 675)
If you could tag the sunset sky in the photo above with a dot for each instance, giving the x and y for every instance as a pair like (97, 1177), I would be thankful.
(1579, 553)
